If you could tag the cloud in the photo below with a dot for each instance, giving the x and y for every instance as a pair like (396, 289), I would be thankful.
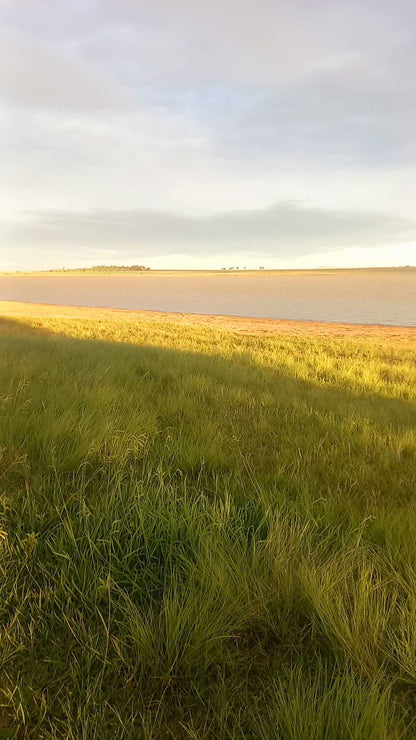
(265, 42)
(40, 76)
(184, 107)
(286, 229)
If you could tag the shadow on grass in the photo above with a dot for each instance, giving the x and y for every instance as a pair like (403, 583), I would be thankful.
(66, 400)
(206, 410)
(14, 327)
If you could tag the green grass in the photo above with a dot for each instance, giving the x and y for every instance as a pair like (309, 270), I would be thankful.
(205, 534)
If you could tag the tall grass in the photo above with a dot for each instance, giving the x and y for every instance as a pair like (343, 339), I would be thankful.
(205, 534)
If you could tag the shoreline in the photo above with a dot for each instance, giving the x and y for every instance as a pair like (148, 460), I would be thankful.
(238, 324)
(87, 272)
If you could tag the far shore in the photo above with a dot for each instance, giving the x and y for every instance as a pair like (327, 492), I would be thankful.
(87, 272)
(236, 324)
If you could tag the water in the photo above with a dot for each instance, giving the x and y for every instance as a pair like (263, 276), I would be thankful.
(364, 297)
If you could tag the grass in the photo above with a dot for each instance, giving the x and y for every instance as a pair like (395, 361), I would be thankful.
(205, 534)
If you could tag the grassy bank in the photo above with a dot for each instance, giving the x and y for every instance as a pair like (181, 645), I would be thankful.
(205, 533)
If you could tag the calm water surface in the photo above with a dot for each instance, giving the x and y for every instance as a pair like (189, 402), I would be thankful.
(387, 297)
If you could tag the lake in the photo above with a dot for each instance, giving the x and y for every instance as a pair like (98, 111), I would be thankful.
(363, 297)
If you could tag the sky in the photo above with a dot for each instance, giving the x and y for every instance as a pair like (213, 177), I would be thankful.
(203, 134)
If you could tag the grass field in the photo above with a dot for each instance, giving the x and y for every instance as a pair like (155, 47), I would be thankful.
(205, 532)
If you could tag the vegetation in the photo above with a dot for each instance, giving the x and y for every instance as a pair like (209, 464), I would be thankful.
(108, 268)
(205, 534)
(111, 269)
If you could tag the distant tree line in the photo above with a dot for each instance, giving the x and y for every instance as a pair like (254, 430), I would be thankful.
(118, 268)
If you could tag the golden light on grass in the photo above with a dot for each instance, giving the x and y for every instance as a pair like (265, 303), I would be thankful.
(210, 526)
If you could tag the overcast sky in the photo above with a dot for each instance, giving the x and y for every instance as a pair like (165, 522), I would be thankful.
(196, 133)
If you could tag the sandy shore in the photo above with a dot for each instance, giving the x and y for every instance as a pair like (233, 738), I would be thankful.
(239, 324)
(87, 272)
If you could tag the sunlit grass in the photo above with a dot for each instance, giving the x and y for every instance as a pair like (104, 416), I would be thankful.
(204, 533)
